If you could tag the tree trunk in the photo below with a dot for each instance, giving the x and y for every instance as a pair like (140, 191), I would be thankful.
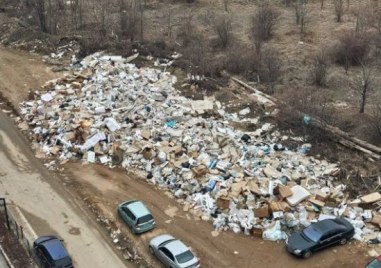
(141, 19)
(363, 101)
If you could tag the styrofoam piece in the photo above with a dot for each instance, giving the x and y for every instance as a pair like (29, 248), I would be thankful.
(112, 124)
(47, 97)
(91, 157)
(93, 140)
(298, 195)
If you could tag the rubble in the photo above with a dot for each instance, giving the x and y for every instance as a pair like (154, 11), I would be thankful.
(117, 114)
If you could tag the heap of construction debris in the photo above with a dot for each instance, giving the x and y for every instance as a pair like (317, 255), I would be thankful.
(113, 113)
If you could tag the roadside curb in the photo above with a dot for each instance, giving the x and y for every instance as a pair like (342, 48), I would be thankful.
(6, 257)
(25, 222)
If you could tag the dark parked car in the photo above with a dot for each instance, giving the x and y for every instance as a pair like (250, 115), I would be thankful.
(320, 235)
(51, 252)
(376, 263)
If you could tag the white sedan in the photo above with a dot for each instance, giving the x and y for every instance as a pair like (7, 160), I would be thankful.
(172, 252)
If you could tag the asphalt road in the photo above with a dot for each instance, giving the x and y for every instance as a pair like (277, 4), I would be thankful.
(46, 204)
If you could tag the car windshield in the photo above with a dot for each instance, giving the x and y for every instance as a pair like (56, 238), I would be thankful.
(374, 264)
(145, 219)
(184, 257)
(311, 233)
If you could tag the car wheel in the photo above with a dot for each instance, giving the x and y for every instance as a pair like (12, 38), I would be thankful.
(307, 254)
(343, 241)
(151, 250)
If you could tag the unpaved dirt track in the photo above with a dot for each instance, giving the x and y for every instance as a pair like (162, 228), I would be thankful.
(21, 71)
(24, 181)
(27, 183)
(114, 186)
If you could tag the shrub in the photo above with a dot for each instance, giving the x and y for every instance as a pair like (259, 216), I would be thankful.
(352, 49)
(318, 71)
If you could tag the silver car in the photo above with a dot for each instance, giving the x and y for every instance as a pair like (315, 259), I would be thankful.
(172, 252)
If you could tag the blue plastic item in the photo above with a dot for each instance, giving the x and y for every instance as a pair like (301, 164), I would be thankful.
(212, 183)
(147, 108)
(306, 120)
(213, 164)
(170, 123)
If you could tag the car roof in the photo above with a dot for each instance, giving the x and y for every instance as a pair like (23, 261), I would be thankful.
(176, 247)
(326, 225)
(55, 249)
(138, 208)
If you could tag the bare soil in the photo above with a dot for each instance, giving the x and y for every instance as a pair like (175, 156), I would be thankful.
(109, 187)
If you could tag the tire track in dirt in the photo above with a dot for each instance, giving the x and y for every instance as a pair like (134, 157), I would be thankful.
(113, 186)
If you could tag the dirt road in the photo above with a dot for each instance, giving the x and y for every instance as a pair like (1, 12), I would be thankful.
(21, 71)
(112, 187)
(49, 209)
(27, 183)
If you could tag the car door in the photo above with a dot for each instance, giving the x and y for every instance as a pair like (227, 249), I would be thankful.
(129, 217)
(324, 241)
(166, 257)
(44, 257)
(336, 236)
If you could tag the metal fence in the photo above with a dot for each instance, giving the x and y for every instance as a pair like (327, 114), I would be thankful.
(4, 211)
(13, 226)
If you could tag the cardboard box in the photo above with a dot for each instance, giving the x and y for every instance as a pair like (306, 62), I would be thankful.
(279, 206)
(223, 202)
(317, 203)
(257, 232)
(147, 153)
(321, 196)
(146, 134)
(253, 187)
(262, 212)
(199, 171)
(371, 198)
(376, 220)
(282, 191)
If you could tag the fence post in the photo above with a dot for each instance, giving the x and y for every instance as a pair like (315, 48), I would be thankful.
(22, 231)
(17, 230)
(6, 212)
(28, 245)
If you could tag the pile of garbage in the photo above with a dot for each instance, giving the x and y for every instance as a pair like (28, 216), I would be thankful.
(113, 113)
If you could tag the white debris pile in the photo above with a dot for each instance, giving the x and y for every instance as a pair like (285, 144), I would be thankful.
(117, 114)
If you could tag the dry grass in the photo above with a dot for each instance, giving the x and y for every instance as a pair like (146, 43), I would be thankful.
(169, 21)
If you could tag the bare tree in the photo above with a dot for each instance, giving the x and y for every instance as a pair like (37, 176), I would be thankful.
(376, 121)
(363, 84)
(39, 6)
(223, 28)
(339, 9)
(123, 17)
(318, 71)
(141, 10)
(301, 15)
(76, 8)
(263, 24)
(226, 5)
(287, 2)
(270, 70)
(321, 4)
